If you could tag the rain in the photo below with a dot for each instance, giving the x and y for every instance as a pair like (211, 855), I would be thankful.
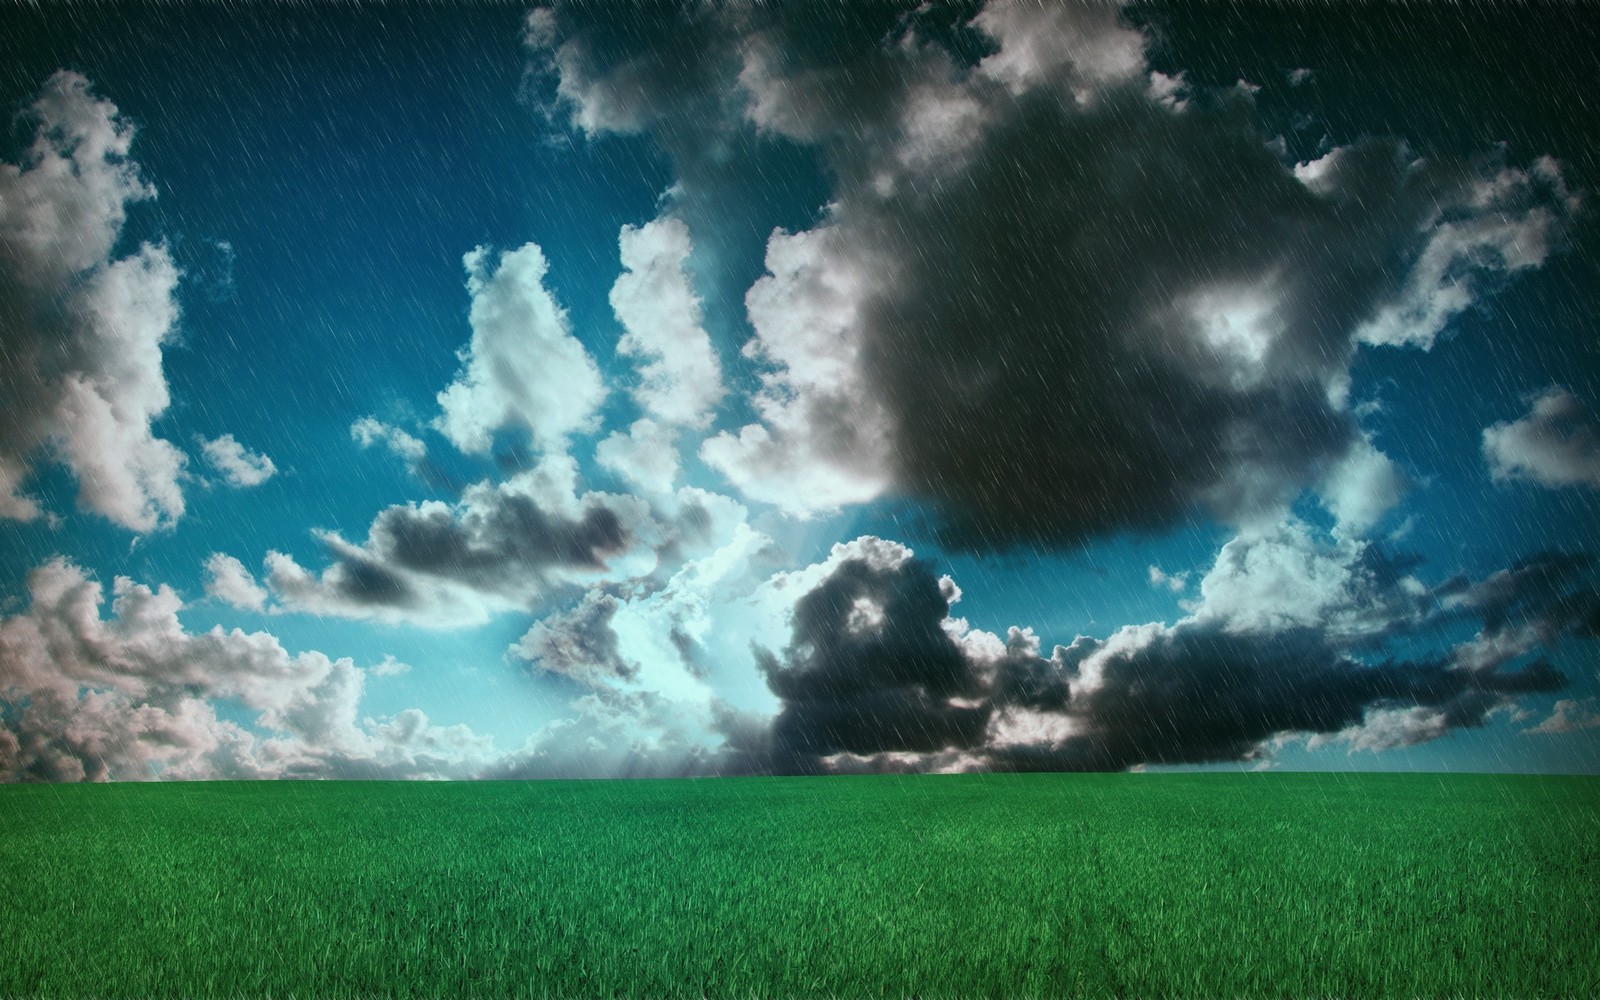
(586, 391)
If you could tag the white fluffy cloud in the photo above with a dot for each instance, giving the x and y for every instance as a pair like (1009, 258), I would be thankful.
(369, 431)
(228, 581)
(680, 377)
(646, 456)
(1287, 577)
(1073, 47)
(523, 368)
(1509, 223)
(132, 697)
(239, 465)
(83, 378)
(1557, 444)
(822, 441)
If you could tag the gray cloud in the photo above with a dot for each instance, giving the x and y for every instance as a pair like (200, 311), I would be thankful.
(502, 547)
(1061, 298)
(1556, 444)
(877, 675)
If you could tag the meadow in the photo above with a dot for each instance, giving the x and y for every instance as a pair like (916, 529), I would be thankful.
(1017, 885)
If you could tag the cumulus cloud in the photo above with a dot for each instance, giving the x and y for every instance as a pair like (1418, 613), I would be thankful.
(680, 377)
(822, 440)
(502, 547)
(370, 431)
(878, 675)
(228, 581)
(239, 465)
(1557, 444)
(133, 696)
(83, 332)
(1569, 716)
(1046, 298)
(1289, 577)
(523, 369)
(646, 456)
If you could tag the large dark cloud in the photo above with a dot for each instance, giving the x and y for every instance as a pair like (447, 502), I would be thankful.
(1052, 296)
(870, 669)
(878, 676)
(1196, 694)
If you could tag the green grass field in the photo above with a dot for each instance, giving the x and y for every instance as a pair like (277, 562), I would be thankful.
(1041, 885)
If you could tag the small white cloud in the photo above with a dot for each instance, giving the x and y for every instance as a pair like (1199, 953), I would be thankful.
(1569, 716)
(1174, 582)
(1557, 444)
(389, 667)
(239, 465)
(369, 431)
(227, 580)
(1361, 488)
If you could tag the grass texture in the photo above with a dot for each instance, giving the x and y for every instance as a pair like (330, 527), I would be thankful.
(1018, 885)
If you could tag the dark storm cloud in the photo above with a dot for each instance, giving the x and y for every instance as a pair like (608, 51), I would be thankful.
(1112, 314)
(1196, 694)
(1553, 590)
(877, 675)
(869, 667)
(501, 546)
(513, 537)
(1072, 298)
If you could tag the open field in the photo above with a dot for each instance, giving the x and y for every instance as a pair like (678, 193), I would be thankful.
(1302, 885)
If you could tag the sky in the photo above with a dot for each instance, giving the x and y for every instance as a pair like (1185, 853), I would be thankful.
(702, 389)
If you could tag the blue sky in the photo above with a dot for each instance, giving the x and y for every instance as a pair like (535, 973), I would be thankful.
(502, 392)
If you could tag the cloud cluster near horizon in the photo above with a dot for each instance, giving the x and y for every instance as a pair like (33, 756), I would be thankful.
(1053, 297)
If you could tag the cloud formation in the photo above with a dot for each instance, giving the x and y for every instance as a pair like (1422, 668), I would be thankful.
(133, 697)
(230, 582)
(1054, 297)
(680, 377)
(1286, 641)
(523, 369)
(240, 466)
(1556, 444)
(502, 547)
(83, 330)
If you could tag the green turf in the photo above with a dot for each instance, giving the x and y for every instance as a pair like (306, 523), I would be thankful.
(1044, 885)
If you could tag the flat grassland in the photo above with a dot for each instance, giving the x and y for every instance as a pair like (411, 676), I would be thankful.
(1018, 885)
